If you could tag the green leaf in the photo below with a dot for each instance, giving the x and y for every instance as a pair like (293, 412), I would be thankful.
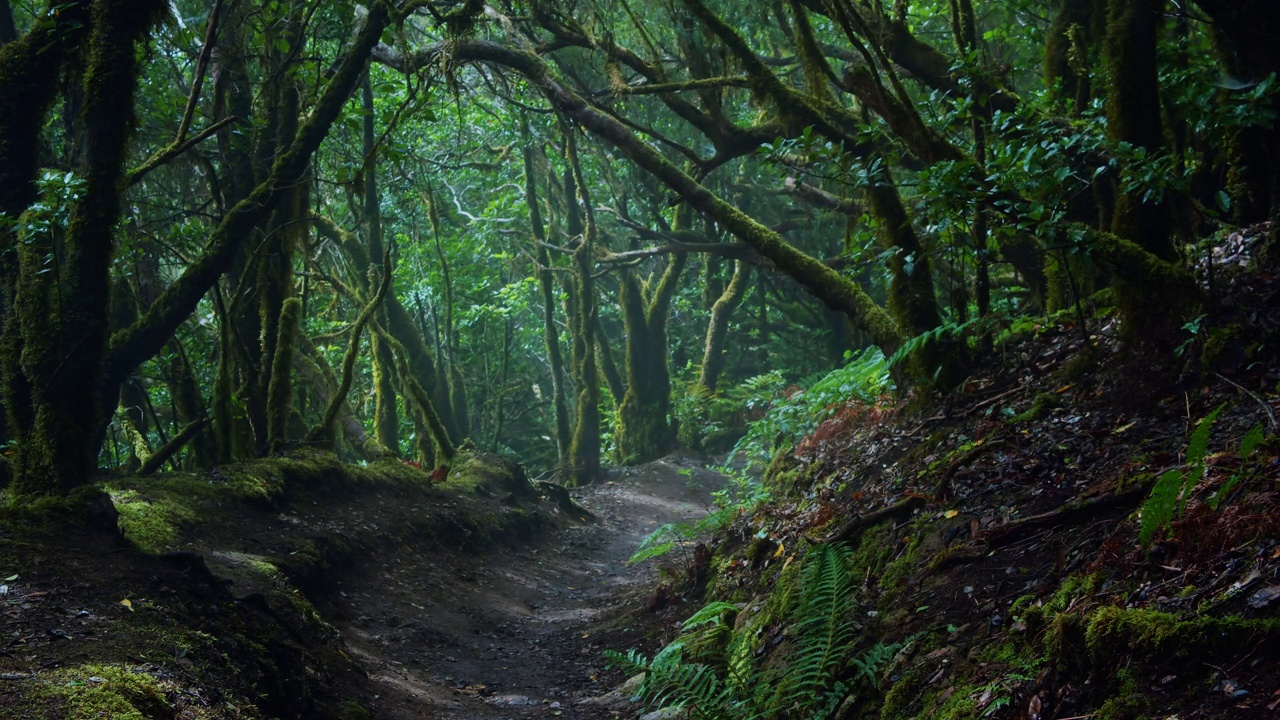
(1251, 441)
(1157, 511)
(1198, 446)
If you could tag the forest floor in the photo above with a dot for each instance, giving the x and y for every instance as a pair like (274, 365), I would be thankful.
(301, 588)
(517, 632)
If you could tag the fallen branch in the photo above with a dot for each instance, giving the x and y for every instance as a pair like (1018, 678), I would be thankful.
(169, 449)
(1009, 533)
(851, 529)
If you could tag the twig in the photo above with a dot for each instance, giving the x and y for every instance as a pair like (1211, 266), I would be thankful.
(202, 64)
(850, 530)
(1266, 408)
(174, 150)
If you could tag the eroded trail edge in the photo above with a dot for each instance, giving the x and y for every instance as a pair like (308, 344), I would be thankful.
(515, 632)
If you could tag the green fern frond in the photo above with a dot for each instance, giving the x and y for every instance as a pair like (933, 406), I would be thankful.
(1198, 445)
(911, 345)
(825, 628)
(1251, 441)
(870, 662)
(1157, 511)
(710, 613)
(651, 552)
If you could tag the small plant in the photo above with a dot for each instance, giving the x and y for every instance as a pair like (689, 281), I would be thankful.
(1169, 495)
(1250, 446)
(673, 536)
(710, 670)
(793, 414)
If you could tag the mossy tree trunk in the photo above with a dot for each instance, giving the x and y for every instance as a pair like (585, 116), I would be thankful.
(1070, 44)
(29, 70)
(713, 355)
(644, 430)
(547, 292)
(583, 464)
(1134, 114)
(912, 299)
(386, 421)
(1152, 310)
(62, 318)
(450, 377)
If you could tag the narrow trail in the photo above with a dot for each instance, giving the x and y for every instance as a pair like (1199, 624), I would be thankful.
(514, 633)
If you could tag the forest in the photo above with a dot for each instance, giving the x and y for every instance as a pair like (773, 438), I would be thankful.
(606, 358)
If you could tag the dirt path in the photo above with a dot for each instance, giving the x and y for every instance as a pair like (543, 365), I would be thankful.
(514, 633)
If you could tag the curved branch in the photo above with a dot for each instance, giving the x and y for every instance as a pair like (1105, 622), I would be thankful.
(133, 345)
(353, 349)
(823, 282)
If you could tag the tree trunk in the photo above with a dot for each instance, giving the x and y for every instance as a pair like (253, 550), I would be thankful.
(547, 290)
(718, 328)
(584, 448)
(386, 418)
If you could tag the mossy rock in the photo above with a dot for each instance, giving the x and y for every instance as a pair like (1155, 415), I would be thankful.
(1040, 408)
(489, 474)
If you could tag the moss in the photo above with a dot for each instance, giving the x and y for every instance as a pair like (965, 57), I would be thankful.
(1113, 633)
(92, 692)
(279, 392)
(1128, 702)
(1040, 407)
(1080, 365)
(487, 473)
(962, 704)
(874, 550)
(901, 696)
(894, 578)
(349, 710)
(1218, 344)
(154, 511)
(785, 474)
(151, 525)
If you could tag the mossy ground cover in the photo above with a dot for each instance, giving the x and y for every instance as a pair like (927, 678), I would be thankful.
(205, 597)
(1021, 581)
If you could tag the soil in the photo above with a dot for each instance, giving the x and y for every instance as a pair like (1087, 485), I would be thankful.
(516, 633)
(342, 596)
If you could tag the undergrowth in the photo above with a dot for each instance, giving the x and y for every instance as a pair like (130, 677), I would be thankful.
(711, 670)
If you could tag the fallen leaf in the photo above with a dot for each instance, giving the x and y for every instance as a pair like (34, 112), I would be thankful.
(1034, 708)
(11, 578)
(950, 514)
(778, 553)
(1124, 427)
(1264, 597)
(1062, 389)
(125, 602)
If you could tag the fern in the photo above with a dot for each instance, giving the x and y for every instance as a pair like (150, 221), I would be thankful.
(869, 663)
(1170, 493)
(911, 345)
(1157, 511)
(1249, 444)
(710, 671)
(1251, 441)
(825, 626)
(709, 614)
